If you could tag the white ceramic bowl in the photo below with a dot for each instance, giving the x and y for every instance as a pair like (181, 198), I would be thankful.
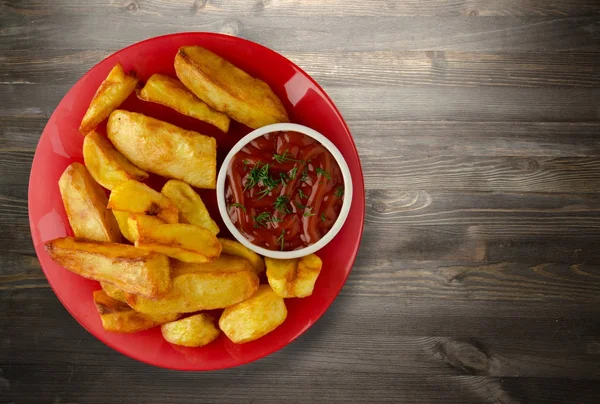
(285, 127)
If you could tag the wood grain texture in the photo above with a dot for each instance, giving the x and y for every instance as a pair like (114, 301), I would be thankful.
(478, 127)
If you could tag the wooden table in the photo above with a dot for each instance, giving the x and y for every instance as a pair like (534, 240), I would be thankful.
(478, 125)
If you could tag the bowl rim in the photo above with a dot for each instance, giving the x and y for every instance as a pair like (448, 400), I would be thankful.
(337, 155)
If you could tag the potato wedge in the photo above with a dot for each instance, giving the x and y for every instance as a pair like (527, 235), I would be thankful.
(253, 318)
(118, 317)
(113, 292)
(199, 291)
(295, 277)
(171, 93)
(113, 91)
(134, 197)
(184, 242)
(224, 263)
(190, 205)
(106, 165)
(193, 331)
(85, 204)
(227, 88)
(128, 268)
(164, 149)
(231, 247)
(123, 225)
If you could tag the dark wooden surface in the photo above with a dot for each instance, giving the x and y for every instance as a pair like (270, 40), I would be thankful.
(478, 125)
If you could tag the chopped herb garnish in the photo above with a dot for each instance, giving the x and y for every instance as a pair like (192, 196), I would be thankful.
(282, 158)
(281, 239)
(263, 193)
(301, 194)
(339, 191)
(309, 212)
(262, 219)
(304, 174)
(283, 177)
(282, 204)
(254, 176)
(299, 205)
(324, 173)
(238, 205)
(323, 217)
(246, 164)
(292, 173)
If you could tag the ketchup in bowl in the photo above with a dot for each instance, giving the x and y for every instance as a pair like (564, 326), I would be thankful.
(284, 191)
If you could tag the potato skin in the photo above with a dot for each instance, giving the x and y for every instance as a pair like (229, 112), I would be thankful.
(85, 204)
(164, 149)
(127, 268)
(167, 91)
(233, 248)
(194, 331)
(200, 291)
(255, 317)
(228, 89)
(113, 91)
(118, 317)
(113, 292)
(191, 208)
(295, 277)
(106, 165)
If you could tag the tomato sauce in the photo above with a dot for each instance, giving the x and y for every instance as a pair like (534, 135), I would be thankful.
(284, 191)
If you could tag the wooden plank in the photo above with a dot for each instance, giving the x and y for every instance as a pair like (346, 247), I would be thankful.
(490, 104)
(380, 139)
(298, 33)
(340, 68)
(311, 8)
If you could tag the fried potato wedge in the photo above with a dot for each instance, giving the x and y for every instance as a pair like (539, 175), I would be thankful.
(255, 317)
(194, 331)
(113, 292)
(134, 197)
(200, 291)
(224, 263)
(164, 149)
(130, 269)
(234, 248)
(184, 242)
(85, 204)
(113, 91)
(295, 277)
(169, 92)
(191, 208)
(118, 317)
(227, 88)
(123, 225)
(106, 165)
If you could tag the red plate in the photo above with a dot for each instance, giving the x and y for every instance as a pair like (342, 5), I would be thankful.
(61, 144)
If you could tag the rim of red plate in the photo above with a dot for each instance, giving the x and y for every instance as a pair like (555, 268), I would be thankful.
(275, 347)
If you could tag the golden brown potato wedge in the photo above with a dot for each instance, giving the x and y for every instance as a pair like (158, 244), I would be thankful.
(171, 93)
(295, 277)
(113, 291)
(134, 197)
(123, 225)
(190, 205)
(127, 268)
(231, 247)
(224, 263)
(85, 204)
(108, 167)
(184, 242)
(193, 331)
(118, 317)
(255, 317)
(110, 95)
(227, 88)
(164, 149)
(200, 291)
